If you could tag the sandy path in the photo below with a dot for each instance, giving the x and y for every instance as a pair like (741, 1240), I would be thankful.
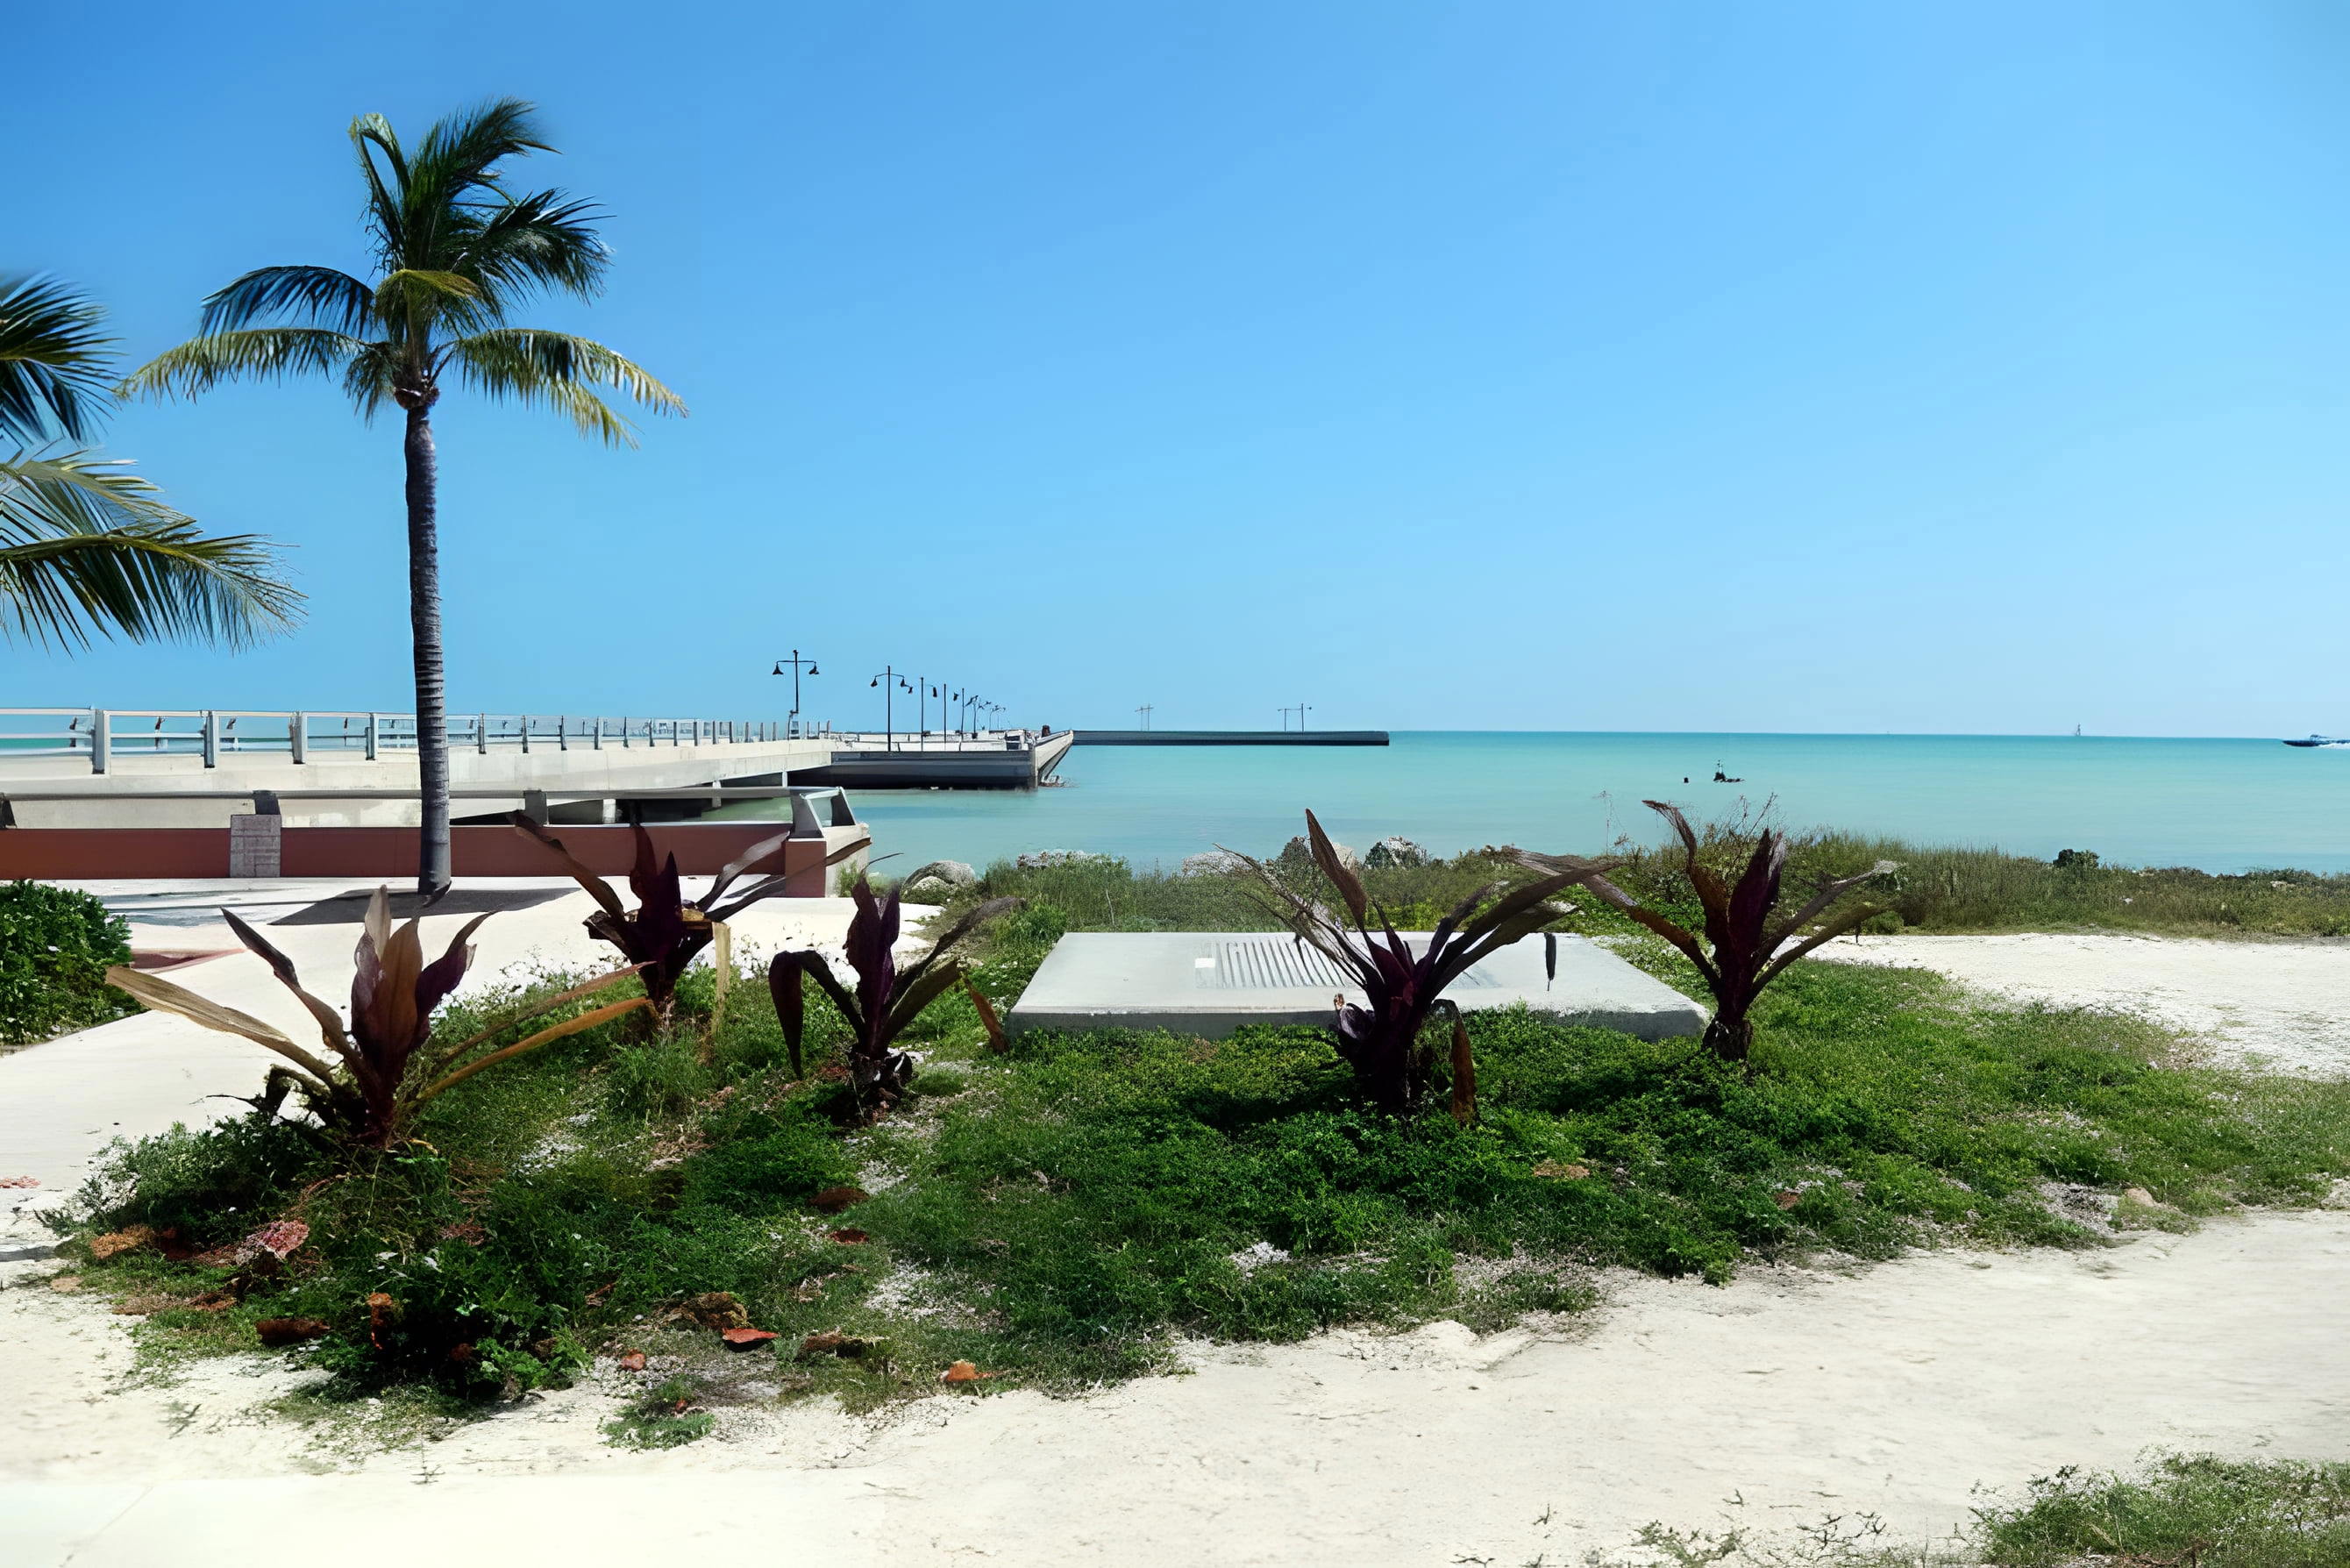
(1893, 1390)
(2281, 1005)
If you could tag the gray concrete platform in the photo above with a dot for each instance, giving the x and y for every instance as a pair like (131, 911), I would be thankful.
(1209, 983)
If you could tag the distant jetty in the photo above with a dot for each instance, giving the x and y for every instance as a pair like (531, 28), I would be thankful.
(1231, 737)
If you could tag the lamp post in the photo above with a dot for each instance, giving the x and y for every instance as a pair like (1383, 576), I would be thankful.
(891, 682)
(1300, 710)
(796, 663)
(1145, 711)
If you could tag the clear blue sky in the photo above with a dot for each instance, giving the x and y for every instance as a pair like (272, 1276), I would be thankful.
(1946, 367)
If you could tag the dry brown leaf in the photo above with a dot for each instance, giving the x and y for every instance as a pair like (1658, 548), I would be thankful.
(67, 1283)
(833, 1199)
(632, 1361)
(745, 1339)
(277, 1332)
(1787, 1200)
(1561, 1170)
(116, 1242)
(963, 1372)
(849, 1238)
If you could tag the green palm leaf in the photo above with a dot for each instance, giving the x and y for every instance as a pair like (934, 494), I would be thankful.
(86, 548)
(53, 360)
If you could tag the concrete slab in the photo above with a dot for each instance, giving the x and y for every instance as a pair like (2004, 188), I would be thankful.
(1209, 983)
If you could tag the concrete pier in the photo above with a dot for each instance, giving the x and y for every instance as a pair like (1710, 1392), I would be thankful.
(1231, 737)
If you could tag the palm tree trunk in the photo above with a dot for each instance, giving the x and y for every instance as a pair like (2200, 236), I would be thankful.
(424, 624)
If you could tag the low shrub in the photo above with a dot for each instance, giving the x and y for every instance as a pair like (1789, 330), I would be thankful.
(56, 945)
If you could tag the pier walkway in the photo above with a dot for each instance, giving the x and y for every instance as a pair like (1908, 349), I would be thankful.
(80, 767)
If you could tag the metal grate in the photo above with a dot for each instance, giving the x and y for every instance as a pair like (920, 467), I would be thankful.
(1271, 964)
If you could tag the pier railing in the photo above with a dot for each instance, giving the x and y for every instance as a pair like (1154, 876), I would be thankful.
(101, 734)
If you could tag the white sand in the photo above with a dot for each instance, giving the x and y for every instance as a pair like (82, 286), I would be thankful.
(1894, 1389)
(2281, 1005)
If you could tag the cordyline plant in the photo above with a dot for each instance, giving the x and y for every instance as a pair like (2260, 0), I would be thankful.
(384, 1065)
(667, 931)
(1745, 944)
(887, 999)
(1380, 1039)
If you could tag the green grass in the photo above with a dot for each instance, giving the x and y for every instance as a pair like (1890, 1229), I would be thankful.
(1060, 1215)
(2174, 1511)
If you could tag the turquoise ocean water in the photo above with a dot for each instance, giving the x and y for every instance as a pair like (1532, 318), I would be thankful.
(2222, 806)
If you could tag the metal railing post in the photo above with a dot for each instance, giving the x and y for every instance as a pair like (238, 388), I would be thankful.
(481, 734)
(211, 739)
(563, 731)
(526, 734)
(374, 735)
(600, 733)
(297, 737)
(101, 740)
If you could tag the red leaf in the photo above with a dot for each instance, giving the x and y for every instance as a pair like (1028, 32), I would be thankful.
(632, 1361)
(745, 1339)
(849, 1238)
(279, 1237)
(963, 1372)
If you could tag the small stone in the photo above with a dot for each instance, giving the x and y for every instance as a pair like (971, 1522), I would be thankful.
(715, 1309)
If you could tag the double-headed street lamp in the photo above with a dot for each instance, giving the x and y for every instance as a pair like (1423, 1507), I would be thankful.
(891, 682)
(796, 663)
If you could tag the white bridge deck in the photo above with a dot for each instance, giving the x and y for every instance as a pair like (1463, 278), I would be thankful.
(88, 768)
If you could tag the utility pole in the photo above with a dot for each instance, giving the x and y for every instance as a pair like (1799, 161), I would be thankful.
(1145, 711)
(1300, 710)
(796, 662)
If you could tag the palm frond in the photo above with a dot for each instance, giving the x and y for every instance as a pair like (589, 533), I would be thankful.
(79, 562)
(372, 138)
(265, 353)
(543, 240)
(557, 369)
(53, 360)
(417, 298)
(312, 296)
(39, 490)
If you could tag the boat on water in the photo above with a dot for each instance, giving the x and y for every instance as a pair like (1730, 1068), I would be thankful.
(2319, 741)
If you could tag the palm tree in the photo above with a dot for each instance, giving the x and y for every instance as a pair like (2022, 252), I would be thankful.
(455, 254)
(86, 546)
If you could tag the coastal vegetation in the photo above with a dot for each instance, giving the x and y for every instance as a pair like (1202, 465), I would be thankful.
(55, 946)
(1933, 889)
(1746, 939)
(456, 253)
(88, 548)
(2173, 1510)
(1059, 1212)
